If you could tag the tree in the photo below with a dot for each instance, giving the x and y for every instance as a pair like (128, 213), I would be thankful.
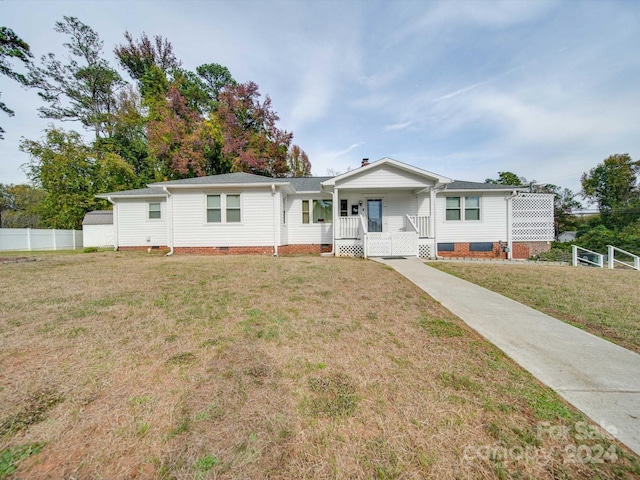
(71, 173)
(564, 203)
(19, 206)
(252, 142)
(137, 57)
(298, 162)
(82, 90)
(507, 178)
(613, 185)
(12, 46)
(215, 77)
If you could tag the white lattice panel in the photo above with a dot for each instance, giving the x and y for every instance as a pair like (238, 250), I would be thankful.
(424, 251)
(532, 217)
(403, 244)
(378, 244)
(350, 251)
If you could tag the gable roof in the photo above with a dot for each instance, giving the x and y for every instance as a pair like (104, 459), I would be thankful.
(388, 161)
(225, 179)
(98, 217)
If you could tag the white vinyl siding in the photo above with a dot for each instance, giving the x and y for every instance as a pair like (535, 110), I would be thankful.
(491, 227)
(134, 226)
(308, 233)
(385, 176)
(256, 228)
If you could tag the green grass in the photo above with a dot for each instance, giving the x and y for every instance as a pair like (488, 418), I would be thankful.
(601, 301)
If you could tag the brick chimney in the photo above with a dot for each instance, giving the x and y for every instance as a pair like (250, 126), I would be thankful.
(365, 162)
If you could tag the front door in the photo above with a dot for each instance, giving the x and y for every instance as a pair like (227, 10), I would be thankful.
(374, 214)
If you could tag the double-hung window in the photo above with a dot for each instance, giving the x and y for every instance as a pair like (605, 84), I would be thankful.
(317, 211)
(155, 212)
(227, 203)
(463, 208)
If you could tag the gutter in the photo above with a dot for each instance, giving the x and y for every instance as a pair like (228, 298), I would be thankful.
(276, 220)
(514, 194)
(170, 222)
(115, 224)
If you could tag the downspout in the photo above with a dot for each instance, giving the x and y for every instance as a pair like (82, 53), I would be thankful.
(510, 224)
(115, 224)
(170, 221)
(276, 222)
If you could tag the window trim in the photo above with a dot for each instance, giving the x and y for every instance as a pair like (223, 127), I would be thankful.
(223, 208)
(462, 209)
(149, 212)
(310, 203)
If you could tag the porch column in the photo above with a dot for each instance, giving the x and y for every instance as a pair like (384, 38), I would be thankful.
(336, 217)
(432, 212)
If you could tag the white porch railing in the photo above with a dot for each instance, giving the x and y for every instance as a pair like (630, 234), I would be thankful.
(421, 224)
(349, 227)
(634, 263)
(589, 257)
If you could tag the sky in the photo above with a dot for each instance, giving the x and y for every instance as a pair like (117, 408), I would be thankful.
(465, 89)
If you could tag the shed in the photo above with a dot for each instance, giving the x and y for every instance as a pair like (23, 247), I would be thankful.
(98, 229)
(567, 236)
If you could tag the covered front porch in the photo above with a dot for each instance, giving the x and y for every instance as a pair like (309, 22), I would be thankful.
(383, 224)
(357, 241)
(384, 209)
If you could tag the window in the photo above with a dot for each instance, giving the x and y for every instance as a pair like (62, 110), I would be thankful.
(456, 205)
(321, 211)
(154, 211)
(233, 208)
(214, 211)
(230, 204)
(453, 208)
(284, 209)
(472, 208)
(343, 208)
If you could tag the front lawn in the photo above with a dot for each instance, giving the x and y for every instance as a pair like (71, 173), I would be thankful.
(601, 301)
(135, 365)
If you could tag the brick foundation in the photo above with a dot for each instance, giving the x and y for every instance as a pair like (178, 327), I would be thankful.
(529, 249)
(462, 250)
(315, 248)
(142, 248)
(521, 250)
(264, 250)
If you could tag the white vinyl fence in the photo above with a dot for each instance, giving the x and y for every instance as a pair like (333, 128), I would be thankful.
(39, 239)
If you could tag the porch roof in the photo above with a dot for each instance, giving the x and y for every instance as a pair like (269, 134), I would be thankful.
(373, 166)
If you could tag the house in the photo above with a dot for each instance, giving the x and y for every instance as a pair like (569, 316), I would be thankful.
(97, 229)
(568, 236)
(384, 208)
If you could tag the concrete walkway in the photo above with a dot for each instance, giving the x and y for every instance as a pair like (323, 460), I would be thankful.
(599, 378)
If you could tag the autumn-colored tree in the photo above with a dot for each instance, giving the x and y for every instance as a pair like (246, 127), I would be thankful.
(252, 142)
(12, 46)
(180, 139)
(298, 162)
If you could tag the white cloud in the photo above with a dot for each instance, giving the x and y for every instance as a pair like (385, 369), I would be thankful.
(397, 126)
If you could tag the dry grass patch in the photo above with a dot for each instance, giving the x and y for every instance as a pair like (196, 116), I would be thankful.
(601, 301)
(256, 367)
